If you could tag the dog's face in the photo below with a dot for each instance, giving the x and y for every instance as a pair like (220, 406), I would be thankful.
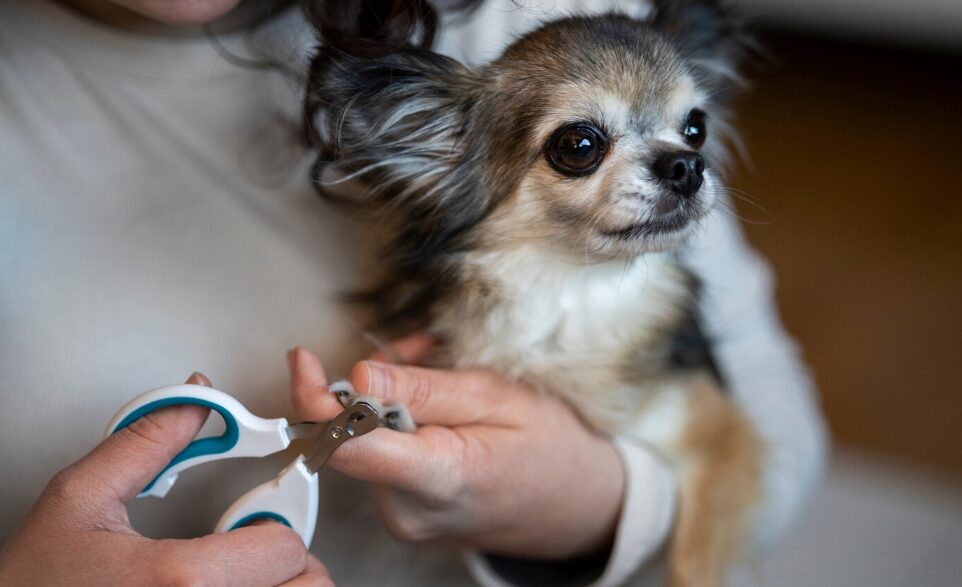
(618, 153)
(593, 136)
(615, 179)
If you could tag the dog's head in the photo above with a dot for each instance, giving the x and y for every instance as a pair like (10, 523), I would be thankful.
(597, 136)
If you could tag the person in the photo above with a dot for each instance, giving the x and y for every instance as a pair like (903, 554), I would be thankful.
(155, 215)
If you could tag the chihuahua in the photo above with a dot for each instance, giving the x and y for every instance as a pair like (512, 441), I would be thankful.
(538, 207)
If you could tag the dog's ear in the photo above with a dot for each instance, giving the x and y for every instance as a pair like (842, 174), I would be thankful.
(392, 127)
(709, 35)
(392, 136)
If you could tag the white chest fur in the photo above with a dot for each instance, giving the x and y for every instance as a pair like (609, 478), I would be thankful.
(570, 328)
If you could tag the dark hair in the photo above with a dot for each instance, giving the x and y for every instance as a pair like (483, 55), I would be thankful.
(371, 29)
(376, 27)
(364, 28)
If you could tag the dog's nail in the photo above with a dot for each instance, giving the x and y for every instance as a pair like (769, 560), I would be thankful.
(344, 392)
(399, 418)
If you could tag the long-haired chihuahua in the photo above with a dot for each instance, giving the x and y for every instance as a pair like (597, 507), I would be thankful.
(538, 208)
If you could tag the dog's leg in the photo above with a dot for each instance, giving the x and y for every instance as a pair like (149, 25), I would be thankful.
(720, 485)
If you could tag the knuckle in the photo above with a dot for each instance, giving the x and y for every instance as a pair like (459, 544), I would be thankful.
(404, 522)
(317, 580)
(432, 515)
(449, 481)
(285, 544)
(391, 383)
(64, 485)
(289, 544)
(484, 379)
(151, 434)
(145, 430)
(178, 573)
(451, 487)
(410, 528)
(419, 390)
(490, 383)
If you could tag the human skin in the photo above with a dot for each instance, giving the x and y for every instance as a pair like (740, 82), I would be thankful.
(78, 532)
(493, 466)
(178, 17)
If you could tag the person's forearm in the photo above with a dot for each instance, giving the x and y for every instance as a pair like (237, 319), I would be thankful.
(762, 369)
(776, 392)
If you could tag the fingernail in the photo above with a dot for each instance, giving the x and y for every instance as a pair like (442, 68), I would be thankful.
(198, 378)
(377, 379)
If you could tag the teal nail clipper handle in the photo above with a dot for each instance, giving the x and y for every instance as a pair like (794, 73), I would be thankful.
(291, 497)
(245, 435)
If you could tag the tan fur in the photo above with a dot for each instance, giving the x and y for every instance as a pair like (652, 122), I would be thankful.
(719, 489)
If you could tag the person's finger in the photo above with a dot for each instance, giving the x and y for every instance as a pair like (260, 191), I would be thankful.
(410, 350)
(316, 575)
(198, 378)
(309, 393)
(401, 460)
(124, 463)
(425, 462)
(439, 396)
(259, 555)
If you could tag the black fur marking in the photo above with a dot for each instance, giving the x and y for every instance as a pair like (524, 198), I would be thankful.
(709, 34)
(359, 96)
(690, 348)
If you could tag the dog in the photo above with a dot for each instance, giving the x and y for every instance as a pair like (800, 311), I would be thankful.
(539, 207)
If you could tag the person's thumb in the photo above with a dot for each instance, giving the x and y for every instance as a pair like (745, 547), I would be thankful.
(123, 464)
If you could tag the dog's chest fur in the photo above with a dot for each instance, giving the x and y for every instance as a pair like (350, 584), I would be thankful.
(597, 334)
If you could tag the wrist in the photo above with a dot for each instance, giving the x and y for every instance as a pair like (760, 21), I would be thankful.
(570, 516)
(602, 486)
(582, 509)
(645, 518)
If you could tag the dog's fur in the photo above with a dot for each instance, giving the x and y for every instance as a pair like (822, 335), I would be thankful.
(571, 282)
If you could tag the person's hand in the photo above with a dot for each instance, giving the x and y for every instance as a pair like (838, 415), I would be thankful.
(78, 532)
(493, 465)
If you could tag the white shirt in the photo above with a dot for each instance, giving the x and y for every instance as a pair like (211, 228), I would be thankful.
(156, 218)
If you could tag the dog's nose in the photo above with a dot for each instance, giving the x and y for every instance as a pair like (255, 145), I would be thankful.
(682, 170)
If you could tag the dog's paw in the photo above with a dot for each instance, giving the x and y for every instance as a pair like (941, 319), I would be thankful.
(344, 392)
(394, 416)
(397, 417)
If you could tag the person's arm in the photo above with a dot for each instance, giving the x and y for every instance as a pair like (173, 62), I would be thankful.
(762, 369)
(78, 532)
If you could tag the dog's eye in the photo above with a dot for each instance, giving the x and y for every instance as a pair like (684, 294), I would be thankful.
(695, 131)
(576, 149)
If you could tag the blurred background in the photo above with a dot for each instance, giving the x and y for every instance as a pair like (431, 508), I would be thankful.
(854, 135)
